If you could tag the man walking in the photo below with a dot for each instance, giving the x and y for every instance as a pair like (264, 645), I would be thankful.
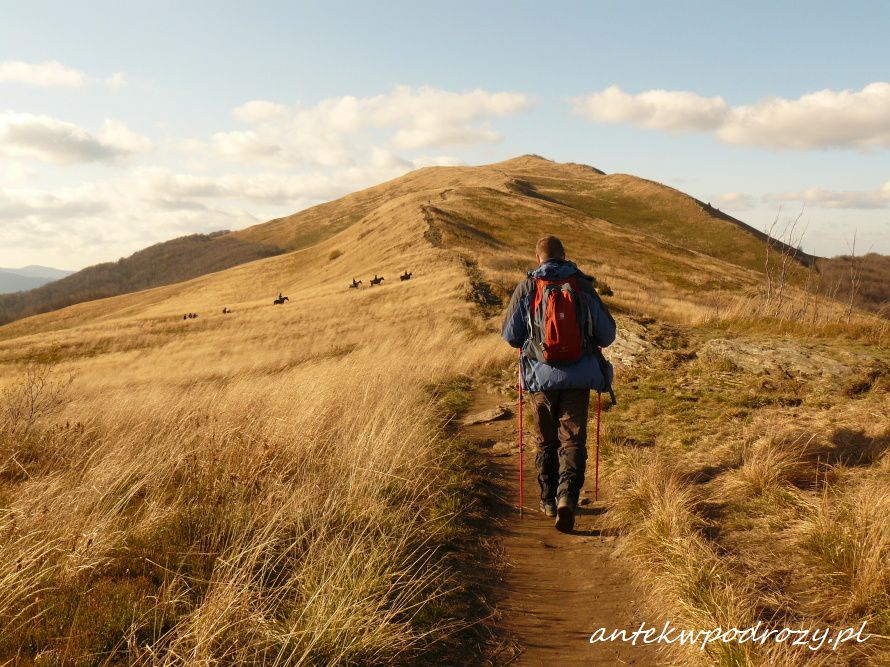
(560, 323)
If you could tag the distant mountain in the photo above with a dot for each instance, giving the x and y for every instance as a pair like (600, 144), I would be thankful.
(161, 264)
(36, 271)
(16, 282)
(28, 278)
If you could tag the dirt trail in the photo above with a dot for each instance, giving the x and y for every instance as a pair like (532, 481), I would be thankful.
(558, 588)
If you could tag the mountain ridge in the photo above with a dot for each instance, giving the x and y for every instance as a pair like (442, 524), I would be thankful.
(38, 271)
(641, 234)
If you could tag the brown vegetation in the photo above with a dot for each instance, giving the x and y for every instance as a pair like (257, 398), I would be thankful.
(866, 277)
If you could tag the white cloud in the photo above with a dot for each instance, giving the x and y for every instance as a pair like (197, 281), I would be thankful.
(13, 172)
(734, 201)
(307, 154)
(102, 220)
(258, 111)
(327, 133)
(47, 206)
(50, 73)
(849, 199)
(294, 190)
(429, 117)
(246, 146)
(29, 136)
(116, 81)
(123, 139)
(824, 119)
(438, 161)
(673, 110)
(150, 204)
(53, 74)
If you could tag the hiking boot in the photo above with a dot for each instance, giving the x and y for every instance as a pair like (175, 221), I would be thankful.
(565, 515)
(548, 507)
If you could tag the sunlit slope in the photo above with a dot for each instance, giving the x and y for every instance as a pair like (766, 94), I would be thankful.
(644, 206)
(637, 204)
(141, 338)
(227, 474)
(318, 223)
(649, 242)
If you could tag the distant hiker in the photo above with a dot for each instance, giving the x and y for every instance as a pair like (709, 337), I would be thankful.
(355, 284)
(406, 276)
(559, 322)
(280, 300)
(375, 280)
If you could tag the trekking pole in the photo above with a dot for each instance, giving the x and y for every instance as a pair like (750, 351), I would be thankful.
(519, 378)
(599, 408)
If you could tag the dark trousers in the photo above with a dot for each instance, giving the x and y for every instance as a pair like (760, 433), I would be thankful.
(561, 458)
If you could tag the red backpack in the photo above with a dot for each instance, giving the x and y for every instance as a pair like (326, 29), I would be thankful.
(559, 319)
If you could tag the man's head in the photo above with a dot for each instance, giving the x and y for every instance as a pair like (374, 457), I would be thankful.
(549, 247)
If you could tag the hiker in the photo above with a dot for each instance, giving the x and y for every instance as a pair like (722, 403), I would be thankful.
(560, 363)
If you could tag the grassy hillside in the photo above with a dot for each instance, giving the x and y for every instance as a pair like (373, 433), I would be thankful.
(656, 245)
(275, 485)
(161, 264)
(202, 489)
(679, 237)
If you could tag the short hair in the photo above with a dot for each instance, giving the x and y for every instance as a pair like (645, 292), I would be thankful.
(550, 247)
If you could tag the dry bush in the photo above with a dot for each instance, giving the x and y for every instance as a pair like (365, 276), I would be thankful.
(38, 393)
(800, 313)
(866, 279)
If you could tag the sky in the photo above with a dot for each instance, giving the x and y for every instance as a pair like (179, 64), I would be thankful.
(126, 124)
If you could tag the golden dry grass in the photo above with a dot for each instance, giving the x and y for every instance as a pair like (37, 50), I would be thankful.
(265, 486)
(763, 498)
(271, 486)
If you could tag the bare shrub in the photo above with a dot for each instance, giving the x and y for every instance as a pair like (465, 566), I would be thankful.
(38, 393)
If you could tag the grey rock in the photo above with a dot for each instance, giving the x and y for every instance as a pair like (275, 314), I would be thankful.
(504, 449)
(493, 414)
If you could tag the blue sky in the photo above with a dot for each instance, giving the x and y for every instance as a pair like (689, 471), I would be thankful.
(123, 124)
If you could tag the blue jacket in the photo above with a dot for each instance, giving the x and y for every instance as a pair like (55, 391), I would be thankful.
(587, 372)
